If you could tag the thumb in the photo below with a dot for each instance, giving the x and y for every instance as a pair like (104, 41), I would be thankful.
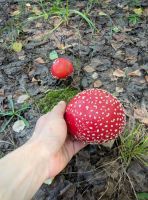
(59, 109)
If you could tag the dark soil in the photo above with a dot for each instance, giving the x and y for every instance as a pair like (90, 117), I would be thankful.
(95, 172)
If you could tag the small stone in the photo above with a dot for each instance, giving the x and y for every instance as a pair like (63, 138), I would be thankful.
(97, 84)
(95, 75)
(22, 98)
(84, 82)
(18, 126)
(21, 55)
(28, 5)
(89, 69)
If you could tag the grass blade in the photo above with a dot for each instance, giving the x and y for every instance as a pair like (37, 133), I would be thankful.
(24, 120)
(90, 23)
(5, 124)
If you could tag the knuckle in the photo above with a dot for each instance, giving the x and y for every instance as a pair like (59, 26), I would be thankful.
(41, 119)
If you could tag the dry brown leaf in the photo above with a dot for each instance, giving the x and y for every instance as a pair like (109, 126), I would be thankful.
(97, 84)
(119, 89)
(89, 69)
(36, 10)
(131, 59)
(34, 80)
(38, 35)
(145, 121)
(39, 60)
(146, 78)
(141, 114)
(109, 144)
(16, 12)
(145, 12)
(135, 73)
(119, 73)
(2, 92)
(116, 45)
(127, 29)
(119, 37)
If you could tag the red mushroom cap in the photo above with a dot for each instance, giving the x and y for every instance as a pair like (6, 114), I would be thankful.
(95, 116)
(62, 68)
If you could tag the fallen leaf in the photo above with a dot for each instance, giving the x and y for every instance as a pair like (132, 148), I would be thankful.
(39, 60)
(36, 11)
(131, 59)
(119, 37)
(146, 78)
(15, 13)
(46, 16)
(119, 89)
(101, 13)
(116, 29)
(109, 144)
(97, 84)
(34, 80)
(89, 69)
(138, 11)
(80, 5)
(135, 73)
(145, 121)
(38, 25)
(141, 114)
(17, 46)
(145, 12)
(119, 73)
(116, 45)
(119, 54)
(18, 126)
(2, 92)
(22, 98)
(127, 29)
(53, 55)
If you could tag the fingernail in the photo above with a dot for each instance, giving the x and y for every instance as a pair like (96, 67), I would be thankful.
(61, 102)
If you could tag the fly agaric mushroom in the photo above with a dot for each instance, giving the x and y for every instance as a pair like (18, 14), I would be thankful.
(62, 68)
(95, 116)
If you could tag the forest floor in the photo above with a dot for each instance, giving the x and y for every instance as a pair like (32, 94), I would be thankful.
(107, 41)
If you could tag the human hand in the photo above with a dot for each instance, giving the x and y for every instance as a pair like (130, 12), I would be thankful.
(51, 134)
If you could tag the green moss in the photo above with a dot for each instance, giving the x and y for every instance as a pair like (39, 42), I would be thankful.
(52, 97)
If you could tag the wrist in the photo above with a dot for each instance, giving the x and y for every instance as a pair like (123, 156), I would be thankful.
(40, 154)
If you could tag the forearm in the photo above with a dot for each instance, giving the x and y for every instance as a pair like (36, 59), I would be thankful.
(23, 171)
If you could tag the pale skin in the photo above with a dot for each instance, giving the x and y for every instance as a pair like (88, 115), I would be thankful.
(45, 155)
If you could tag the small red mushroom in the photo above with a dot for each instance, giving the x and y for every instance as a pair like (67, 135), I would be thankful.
(95, 116)
(62, 68)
